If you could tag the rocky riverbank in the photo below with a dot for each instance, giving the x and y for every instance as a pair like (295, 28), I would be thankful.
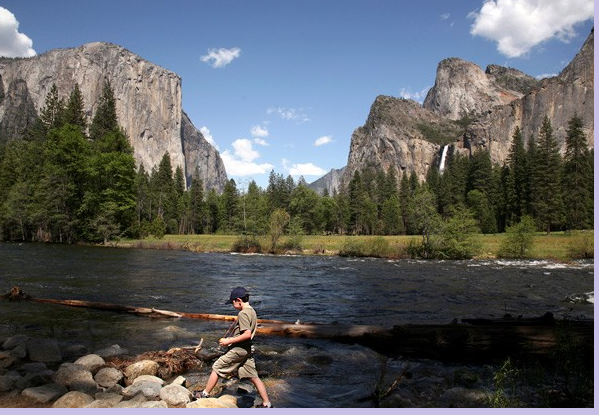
(40, 373)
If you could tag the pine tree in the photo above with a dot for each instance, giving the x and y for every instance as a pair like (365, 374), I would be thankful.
(52, 115)
(516, 180)
(105, 119)
(578, 177)
(548, 202)
(74, 113)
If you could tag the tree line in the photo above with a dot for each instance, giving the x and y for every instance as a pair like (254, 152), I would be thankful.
(65, 181)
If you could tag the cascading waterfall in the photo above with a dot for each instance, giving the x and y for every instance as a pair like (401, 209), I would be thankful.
(443, 156)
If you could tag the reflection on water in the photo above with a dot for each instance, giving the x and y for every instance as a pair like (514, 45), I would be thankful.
(318, 289)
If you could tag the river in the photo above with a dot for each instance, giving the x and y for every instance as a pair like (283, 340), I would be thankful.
(309, 289)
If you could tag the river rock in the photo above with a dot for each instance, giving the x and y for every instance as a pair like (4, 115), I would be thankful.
(75, 377)
(114, 350)
(143, 367)
(14, 341)
(149, 389)
(33, 367)
(175, 395)
(44, 393)
(148, 378)
(43, 350)
(19, 352)
(92, 362)
(108, 377)
(224, 401)
(7, 360)
(7, 382)
(73, 399)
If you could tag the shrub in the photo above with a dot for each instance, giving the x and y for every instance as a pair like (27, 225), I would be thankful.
(582, 245)
(247, 245)
(377, 247)
(519, 239)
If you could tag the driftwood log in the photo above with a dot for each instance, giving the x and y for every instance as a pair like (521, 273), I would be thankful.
(470, 340)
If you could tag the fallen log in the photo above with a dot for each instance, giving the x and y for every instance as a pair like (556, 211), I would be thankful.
(471, 340)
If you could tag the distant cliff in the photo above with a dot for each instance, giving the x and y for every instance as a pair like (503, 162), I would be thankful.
(148, 103)
(470, 109)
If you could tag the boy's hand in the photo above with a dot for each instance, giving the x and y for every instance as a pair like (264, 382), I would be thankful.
(224, 341)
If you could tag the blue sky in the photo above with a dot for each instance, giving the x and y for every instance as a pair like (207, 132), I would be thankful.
(281, 85)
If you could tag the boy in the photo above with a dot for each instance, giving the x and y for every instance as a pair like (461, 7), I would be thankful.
(239, 356)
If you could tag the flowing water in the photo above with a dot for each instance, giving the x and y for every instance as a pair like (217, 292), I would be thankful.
(310, 289)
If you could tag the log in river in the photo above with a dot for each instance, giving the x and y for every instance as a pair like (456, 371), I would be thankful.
(468, 340)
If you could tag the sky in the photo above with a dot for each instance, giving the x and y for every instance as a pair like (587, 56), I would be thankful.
(280, 84)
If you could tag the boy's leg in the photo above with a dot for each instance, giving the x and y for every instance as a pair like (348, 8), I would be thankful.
(261, 390)
(212, 380)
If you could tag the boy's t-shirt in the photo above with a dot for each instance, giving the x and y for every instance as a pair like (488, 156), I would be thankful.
(246, 320)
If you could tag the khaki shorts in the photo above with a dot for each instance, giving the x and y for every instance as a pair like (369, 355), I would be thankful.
(236, 359)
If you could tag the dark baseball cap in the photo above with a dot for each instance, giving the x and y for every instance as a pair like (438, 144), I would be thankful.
(238, 292)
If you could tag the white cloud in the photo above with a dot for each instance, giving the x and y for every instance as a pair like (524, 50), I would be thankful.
(545, 75)
(519, 25)
(12, 43)
(290, 114)
(206, 133)
(445, 16)
(242, 161)
(325, 139)
(258, 131)
(306, 169)
(418, 96)
(219, 58)
(261, 141)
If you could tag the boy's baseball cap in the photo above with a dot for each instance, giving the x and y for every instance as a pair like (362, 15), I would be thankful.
(238, 292)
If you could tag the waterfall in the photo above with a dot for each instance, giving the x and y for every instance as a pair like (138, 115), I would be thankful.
(443, 156)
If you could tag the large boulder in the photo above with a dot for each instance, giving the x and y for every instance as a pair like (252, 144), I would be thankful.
(73, 399)
(143, 367)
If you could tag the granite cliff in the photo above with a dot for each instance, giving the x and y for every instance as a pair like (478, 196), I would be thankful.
(148, 103)
(469, 109)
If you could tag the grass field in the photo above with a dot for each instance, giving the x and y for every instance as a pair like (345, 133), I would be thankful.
(557, 246)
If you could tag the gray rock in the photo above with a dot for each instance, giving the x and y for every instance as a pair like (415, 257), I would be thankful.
(114, 350)
(150, 390)
(32, 367)
(14, 341)
(92, 362)
(43, 350)
(143, 367)
(175, 395)
(108, 377)
(6, 383)
(148, 378)
(75, 377)
(45, 393)
(73, 399)
(111, 398)
(148, 103)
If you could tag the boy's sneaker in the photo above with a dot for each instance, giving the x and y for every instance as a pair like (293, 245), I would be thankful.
(200, 394)
(262, 405)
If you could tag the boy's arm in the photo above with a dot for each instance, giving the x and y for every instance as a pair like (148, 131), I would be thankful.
(227, 341)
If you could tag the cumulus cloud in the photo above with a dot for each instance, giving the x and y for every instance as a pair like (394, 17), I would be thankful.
(306, 169)
(290, 114)
(206, 133)
(321, 141)
(219, 58)
(258, 131)
(417, 96)
(241, 162)
(12, 43)
(519, 25)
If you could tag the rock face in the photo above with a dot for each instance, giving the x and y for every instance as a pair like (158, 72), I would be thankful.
(469, 109)
(148, 101)
(559, 98)
(463, 89)
(328, 182)
(399, 135)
